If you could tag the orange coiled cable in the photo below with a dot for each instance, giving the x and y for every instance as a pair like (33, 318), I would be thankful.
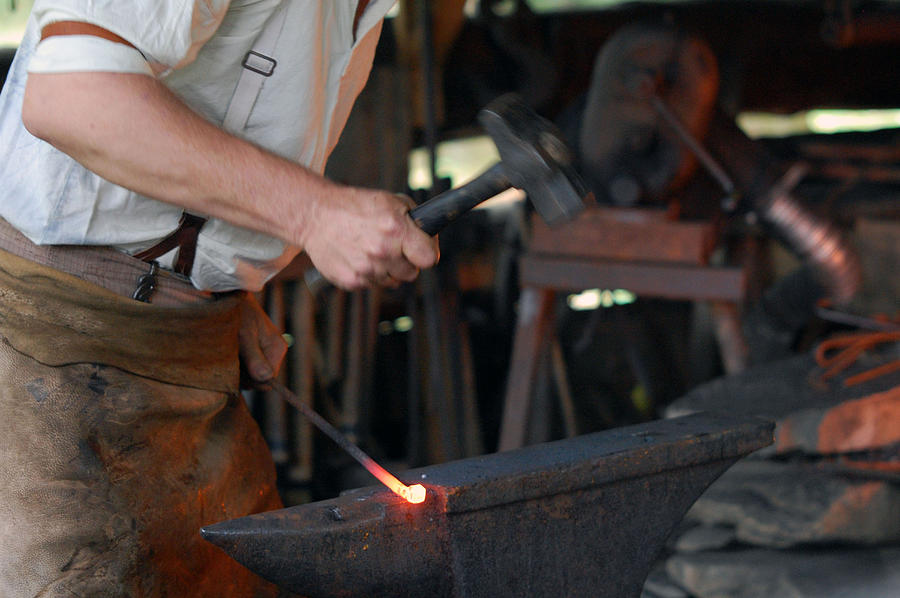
(848, 349)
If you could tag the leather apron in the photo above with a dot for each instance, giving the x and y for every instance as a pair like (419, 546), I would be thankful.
(122, 433)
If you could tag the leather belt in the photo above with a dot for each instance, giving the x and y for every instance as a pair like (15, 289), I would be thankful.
(113, 270)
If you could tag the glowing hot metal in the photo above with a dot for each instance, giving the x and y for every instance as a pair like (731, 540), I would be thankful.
(414, 494)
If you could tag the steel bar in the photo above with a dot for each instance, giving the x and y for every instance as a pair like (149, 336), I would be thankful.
(864, 152)
(303, 377)
(709, 163)
(851, 319)
(585, 516)
(275, 423)
(353, 385)
(856, 173)
(383, 475)
(414, 448)
(440, 407)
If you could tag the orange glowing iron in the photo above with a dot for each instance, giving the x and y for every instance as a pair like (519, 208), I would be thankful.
(414, 494)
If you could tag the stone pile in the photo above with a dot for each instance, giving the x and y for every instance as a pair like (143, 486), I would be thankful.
(817, 514)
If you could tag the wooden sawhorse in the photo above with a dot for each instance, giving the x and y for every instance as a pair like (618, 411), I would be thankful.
(611, 248)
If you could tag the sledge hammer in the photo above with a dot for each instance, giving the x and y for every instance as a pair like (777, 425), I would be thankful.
(533, 158)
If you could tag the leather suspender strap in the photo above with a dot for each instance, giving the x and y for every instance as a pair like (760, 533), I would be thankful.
(184, 238)
(258, 66)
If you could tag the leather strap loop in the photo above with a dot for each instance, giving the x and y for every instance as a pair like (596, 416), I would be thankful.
(184, 238)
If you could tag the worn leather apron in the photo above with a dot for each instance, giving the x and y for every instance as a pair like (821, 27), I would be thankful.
(122, 433)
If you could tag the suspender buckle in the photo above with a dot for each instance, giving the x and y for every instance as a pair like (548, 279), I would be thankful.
(259, 63)
(146, 284)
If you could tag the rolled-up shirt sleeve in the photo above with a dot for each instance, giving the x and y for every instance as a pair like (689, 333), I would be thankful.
(165, 34)
(74, 53)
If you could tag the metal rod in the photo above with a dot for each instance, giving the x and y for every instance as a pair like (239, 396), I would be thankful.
(705, 158)
(413, 494)
(428, 87)
(413, 383)
(851, 319)
(275, 423)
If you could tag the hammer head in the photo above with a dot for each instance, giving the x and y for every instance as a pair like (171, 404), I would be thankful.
(535, 158)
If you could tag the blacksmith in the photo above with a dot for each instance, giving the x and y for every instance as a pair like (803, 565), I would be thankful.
(160, 159)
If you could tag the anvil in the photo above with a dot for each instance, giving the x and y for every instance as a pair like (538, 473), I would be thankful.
(586, 516)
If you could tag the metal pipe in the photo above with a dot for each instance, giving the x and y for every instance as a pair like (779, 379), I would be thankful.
(813, 238)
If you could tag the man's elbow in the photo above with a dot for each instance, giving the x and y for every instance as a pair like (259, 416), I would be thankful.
(51, 111)
(38, 115)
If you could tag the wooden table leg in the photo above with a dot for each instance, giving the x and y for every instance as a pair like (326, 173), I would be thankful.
(535, 318)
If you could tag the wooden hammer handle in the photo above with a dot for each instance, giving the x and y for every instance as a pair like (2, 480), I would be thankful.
(436, 213)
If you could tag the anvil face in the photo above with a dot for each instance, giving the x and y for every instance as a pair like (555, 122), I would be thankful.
(585, 516)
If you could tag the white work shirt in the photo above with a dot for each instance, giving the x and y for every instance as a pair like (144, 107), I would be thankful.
(196, 49)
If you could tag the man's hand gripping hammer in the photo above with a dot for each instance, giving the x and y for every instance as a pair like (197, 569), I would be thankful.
(533, 158)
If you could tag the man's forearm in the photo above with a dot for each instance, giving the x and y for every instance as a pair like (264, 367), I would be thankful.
(131, 130)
